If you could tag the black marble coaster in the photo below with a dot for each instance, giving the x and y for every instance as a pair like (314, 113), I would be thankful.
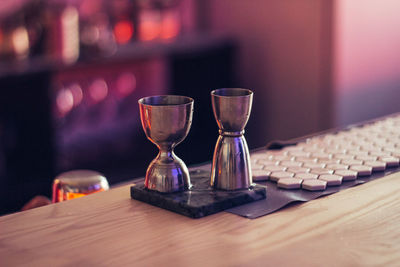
(201, 200)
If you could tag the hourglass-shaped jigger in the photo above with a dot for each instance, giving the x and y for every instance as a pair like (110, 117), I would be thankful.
(231, 161)
(166, 121)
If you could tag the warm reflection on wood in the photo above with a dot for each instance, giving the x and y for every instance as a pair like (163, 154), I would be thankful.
(69, 195)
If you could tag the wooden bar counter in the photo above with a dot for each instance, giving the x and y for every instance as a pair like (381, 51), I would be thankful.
(356, 227)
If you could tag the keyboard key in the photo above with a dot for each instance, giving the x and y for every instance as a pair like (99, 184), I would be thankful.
(321, 155)
(361, 170)
(351, 162)
(298, 169)
(350, 147)
(257, 167)
(329, 161)
(281, 158)
(331, 179)
(314, 185)
(299, 153)
(395, 154)
(276, 153)
(314, 165)
(306, 176)
(260, 175)
(376, 166)
(343, 156)
(366, 158)
(335, 151)
(320, 171)
(289, 163)
(267, 162)
(369, 148)
(391, 144)
(289, 183)
(392, 150)
(348, 175)
(275, 176)
(357, 153)
(313, 150)
(337, 167)
(276, 168)
(380, 154)
(305, 159)
(390, 161)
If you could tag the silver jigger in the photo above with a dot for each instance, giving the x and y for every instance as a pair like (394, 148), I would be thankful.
(166, 121)
(231, 168)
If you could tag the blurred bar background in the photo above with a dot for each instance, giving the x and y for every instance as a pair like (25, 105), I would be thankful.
(72, 71)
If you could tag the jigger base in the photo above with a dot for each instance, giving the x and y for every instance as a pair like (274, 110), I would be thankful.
(167, 177)
(201, 200)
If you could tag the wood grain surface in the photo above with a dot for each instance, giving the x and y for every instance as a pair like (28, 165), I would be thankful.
(359, 226)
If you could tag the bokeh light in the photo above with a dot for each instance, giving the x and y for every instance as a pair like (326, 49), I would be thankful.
(126, 84)
(77, 93)
(98, 90)
(65, 101)
(123, 31)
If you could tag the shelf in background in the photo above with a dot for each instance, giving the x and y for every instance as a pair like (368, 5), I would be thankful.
(134, 51)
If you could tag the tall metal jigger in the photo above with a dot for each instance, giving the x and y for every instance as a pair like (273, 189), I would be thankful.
(231, 168)
(166, 121)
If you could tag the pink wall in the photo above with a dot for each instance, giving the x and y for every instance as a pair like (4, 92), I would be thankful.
(366, 59)
(313, 64)
(281, 57)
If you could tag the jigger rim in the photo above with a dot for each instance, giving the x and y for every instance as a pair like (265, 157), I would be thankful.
(180, 100)
(232, 92)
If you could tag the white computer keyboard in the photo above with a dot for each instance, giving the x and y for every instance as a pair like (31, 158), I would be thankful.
(332, 159)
